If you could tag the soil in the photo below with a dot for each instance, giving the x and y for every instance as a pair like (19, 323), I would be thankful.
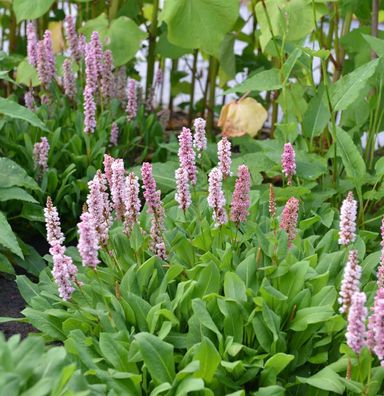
(11, 305)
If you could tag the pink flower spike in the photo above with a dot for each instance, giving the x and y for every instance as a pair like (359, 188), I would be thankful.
(150, 193)
(380, 271)
(64, 272)
(216, 198)
(133, 203)
(132, 100)
(118, 190)
(49, 56)
(72, 38)
(107, 77)
(88, 246)
(350, 283)
(199, 138)
(272, 201)
(187, 155)
(89, 111)
(241, 198)
(224, 155)
(289, 217)
(40, 154)
(378, 326)
(288, 162)
(69, 80)
(99, 206)
(97, 52)
(29, 100)
(114, 137)
(32, 44)
(121, 85)
(183, 194)
(348, 212)
(52, 224)
(108, 161)
(357, 316)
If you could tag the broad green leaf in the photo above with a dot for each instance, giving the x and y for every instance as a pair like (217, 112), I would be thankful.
(125, 40)
(351, 157)
(123, 36)
(12, 174)
(234, 287)
(375, 43)
(15, 193)
(8, 238)
(279, 362)
(317, 115)
(5, 265)
(325, 379)
(27, 9)
(188, 385)
(14, 110)
(200, 23)
(209, 359)
(306, 316)
(27, 288)
(157, 356)
(346, 90)
(266, 80)
(169, 50)
(26, 74)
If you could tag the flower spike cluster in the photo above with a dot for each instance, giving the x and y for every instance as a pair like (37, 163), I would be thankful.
(132, 100)
(64, 271)
(118, 189)
(45, 59)
(289, 217)
(187, 154)
(351, 281)
(99, 206)
(155, 207)
(288, 162)
(32, 44)
(72, 38)
(69, 80)
(357, 316)
(133, 203)
(40, 154)
(114, 137)
(376, 326)
(216, 198)
(199, 138)
(183, 194)
(29, 100)
(88, 240)
(107, 75)
(241, 198)
(224, 154)
(380, 271)
(348, 213)
(272, 201)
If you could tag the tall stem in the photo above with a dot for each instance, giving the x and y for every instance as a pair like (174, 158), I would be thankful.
(152, 47)
(193, 83)
(175, 63)
(374, 23)
(213, 66)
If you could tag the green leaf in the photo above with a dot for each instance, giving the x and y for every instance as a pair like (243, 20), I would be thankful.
(266, 80)
(5, 265)
(12, 174)
(14, 110)
(351, 157)
(375, 43)
(209, 359)
(26, 74)
(317, 115)
(124, 36)
(234, 287)
(325, 379)
(306, 316)
(8, 238)
(200, 24)
(16, 193)
(27, 9)
(279, 362)
(168, 50)
(125, 40)
(157, 356)
(27, 288)
(349, 88)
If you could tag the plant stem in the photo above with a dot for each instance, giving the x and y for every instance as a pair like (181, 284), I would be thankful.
(152, 47)
(213, 67)
(374, 23)
(193, 83)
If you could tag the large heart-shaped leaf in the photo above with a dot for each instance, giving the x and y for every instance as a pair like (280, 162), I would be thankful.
(27, 9)
(200, 23)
